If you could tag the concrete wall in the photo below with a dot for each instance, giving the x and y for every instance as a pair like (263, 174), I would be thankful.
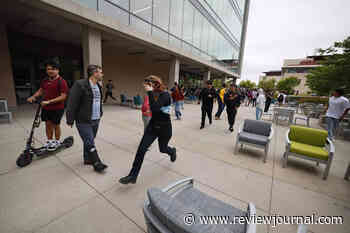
(7, 88)
(302, 88)
(129, 71)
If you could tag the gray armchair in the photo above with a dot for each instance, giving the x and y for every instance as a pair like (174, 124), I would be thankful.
(167, 210)
(255, 133)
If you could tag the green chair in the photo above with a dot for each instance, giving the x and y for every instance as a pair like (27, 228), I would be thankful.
(311, 144)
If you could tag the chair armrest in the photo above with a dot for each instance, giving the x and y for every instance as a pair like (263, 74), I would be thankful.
(287, 137)
(240, 129)
(187, 181)
(251, 228)
(331, 146)
(271, 133)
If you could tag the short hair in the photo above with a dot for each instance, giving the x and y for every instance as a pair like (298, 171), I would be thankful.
(223, 85)
(340, 91)
(109, 80)
(53, 63)
(91, 69)
(209, 82)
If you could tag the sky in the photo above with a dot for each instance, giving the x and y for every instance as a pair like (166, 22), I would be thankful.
(288, 29)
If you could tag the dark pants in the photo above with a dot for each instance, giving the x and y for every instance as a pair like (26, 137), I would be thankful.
(109, 94)
(267, 106)
(254, 102)
(153, 131)
(221, 107)
(207, 110)
(231, 116)
(88, 133)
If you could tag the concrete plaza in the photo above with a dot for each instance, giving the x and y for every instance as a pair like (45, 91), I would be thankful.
(58, 194)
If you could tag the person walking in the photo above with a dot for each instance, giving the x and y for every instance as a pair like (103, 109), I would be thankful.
(254, 97)
(232, 101)
(159, 127)
(85, 109)
(221, 102)
(207, 96)
(338, 107)
(146, 111)
(109, 88)
(260, 103)
(54, 91)
(177, 98)
(269, 97)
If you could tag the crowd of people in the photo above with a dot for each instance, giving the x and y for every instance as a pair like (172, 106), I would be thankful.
(84, 109)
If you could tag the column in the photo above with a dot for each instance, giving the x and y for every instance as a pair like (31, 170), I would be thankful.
(92, 47)
(174, 72)
(206, 77)
(7, 88)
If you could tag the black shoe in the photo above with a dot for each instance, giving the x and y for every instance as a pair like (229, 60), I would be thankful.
(210, 122)
(128, 179)
(87, 162)
(173, 155)
(202, 127)
(231, 129)
(99, 167)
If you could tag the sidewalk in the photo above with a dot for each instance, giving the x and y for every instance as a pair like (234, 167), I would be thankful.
(60, 195)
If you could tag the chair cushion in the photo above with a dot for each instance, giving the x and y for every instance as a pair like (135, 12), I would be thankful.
(172, 210)
(253, 138)
(308, 150)
(257, 127)
(310, 136)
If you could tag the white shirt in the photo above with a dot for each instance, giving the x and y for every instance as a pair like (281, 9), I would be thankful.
(260, 102)
(96, 102)
(337, 107)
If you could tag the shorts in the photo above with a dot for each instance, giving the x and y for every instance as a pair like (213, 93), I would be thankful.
(54, 116)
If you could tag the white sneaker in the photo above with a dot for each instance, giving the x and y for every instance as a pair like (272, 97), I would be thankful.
(48, 144)
(52, 145)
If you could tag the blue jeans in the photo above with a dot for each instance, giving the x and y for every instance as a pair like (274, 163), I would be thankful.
(332, 125)
(88, 132)
(221, 107)
(258, 112)
(177, 109)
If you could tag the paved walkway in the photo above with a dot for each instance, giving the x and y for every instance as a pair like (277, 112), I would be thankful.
(60, 195)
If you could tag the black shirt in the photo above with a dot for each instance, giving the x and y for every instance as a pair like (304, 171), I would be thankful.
(207, 96)
(157, 100)
(232, 99)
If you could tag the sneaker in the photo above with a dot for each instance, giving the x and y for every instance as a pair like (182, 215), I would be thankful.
(231, 129)
(202, 127)
(173, 155)
(128, 179)
(47, 144)
(52, 145)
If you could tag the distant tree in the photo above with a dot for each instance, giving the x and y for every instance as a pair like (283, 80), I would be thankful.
(287, 85)
(217, 83)
(247, 84)
(335, 70)
(267, 85)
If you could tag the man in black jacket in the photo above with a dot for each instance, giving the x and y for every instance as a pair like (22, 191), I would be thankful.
(207, 95)
(85, 108)
(232, 100)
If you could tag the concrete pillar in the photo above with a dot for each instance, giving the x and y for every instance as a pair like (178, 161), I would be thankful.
(7, 89)
(174, 72)
(206, 77)
(92, 47)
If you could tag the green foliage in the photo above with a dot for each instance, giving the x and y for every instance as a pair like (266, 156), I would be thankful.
(247, 84)
(217, 83)
(287, 85)
(267, 85)
(335, 72)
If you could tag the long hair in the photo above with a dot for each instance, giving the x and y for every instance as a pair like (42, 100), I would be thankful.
(157, 79)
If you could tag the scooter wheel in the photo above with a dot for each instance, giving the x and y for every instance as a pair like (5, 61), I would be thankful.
(24, 159)
(68, 142)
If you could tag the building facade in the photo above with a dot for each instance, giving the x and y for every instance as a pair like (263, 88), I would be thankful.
(129, 38)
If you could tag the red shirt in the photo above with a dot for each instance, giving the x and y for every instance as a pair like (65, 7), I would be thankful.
(146, 109)
(52, 89)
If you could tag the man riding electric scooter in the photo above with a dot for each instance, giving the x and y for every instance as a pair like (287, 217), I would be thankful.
(54, 91)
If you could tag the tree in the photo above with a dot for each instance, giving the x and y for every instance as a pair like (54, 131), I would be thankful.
(267, 85)
(335, 70)
(247, 84)
(287, 85)
(217, 83)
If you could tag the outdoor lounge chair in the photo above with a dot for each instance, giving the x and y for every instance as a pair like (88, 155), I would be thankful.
(255, 133)
(311, 144)
(167, 210)
(4, 113)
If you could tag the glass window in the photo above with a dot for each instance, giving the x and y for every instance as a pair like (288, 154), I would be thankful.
(88, 3)
(156, 32)
(140, 25)
(175, 42)
(205, 36)
(241, 4)
(236, 27)
(197, 29)
(121, 3)
(111, 10)
(161, 10)
(142, 8)
(188, 21)
(176, 14)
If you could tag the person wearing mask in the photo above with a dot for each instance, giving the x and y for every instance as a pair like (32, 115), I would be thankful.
(260, 103)
(109, 88)
(221, 102)
(232, 101)
(54, 91)
(85, 109)
(207, 96)
(338, 107)
(159, 127)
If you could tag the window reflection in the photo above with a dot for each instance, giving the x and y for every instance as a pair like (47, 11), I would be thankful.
(111, 10)
(176, 14)
(188, 21)
(161, 10)
(142, 8)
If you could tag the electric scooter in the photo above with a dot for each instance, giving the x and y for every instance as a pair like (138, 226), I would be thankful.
(27, 155)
